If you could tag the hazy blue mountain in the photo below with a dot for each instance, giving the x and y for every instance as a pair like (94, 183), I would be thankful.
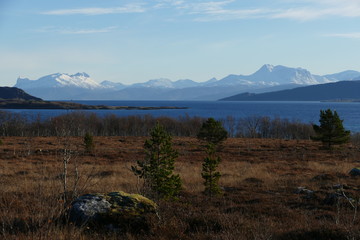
(343, 76)
(61, 86)
(112, 85)
(185, 83)
(342, 90)
(166, 83)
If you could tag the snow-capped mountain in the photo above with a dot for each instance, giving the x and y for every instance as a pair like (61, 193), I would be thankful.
(155, 83)
(166, 83)
(284, 75)
(59, 80)
(60, 86)
(269, 75)
(112, 85)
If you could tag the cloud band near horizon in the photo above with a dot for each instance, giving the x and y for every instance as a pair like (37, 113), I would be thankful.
(220, 10)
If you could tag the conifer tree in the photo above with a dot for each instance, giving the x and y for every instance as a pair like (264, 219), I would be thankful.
(331, 130)
(89, 143)
(213, 133)
(209, 172)
(156, 169)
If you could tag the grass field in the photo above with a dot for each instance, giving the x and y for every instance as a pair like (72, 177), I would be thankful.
(260, 180)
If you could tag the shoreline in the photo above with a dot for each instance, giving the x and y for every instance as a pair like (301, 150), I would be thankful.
(31, 104)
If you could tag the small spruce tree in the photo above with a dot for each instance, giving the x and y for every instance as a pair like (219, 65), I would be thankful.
(209, 172)
(213, 133)
(156, 169)
(331, 130)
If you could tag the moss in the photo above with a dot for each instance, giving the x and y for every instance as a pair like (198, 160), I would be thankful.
(125, 210)
(127, 205)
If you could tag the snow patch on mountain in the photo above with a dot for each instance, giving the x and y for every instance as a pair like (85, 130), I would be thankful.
(278, 75)
(112, 85)
(155, 83)
(59, 80)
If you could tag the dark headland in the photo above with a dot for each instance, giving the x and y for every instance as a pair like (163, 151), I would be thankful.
(15, 98)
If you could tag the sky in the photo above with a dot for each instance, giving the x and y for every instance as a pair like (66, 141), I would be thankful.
(131, 41)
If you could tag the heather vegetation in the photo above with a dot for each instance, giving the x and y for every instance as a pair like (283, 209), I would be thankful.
(284, 187)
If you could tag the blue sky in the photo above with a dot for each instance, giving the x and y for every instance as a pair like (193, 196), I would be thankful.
(134, 41)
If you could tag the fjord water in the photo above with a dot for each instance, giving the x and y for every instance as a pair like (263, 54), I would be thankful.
(306, 112)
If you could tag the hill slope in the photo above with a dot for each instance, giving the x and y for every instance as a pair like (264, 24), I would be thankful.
(344, 90)
(15, 93)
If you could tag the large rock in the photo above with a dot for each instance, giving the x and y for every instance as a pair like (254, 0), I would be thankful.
(117, 211)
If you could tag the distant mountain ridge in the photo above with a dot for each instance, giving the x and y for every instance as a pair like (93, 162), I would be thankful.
(80, 80)
(81, 86)
(336, 91)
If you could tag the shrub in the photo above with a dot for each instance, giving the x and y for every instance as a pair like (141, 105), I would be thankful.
(89, 143)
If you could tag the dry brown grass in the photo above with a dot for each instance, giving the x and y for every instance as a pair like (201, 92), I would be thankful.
(259, 180)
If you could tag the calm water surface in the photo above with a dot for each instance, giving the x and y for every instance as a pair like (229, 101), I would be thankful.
(307, 112)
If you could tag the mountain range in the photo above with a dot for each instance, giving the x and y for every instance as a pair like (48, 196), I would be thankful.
(268, 78)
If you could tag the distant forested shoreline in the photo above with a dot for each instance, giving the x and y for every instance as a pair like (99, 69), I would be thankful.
(78, 123)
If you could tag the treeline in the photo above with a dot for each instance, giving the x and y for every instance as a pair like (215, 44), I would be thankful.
(78, 123)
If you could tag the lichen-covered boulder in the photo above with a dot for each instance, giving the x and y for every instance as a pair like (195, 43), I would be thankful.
(118, 211)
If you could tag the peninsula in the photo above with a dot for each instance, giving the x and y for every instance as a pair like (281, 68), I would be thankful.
(15, 98)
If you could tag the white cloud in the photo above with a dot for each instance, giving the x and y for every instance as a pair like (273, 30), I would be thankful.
(301, 10)
(354, 35)
(76, 31)
(320, 9)
(222, 15)
(131, 8)
(87, 31)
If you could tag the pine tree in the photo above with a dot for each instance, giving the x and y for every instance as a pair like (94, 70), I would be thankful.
(331, 130)
(156, 169)
(213, 133)
(209, 172)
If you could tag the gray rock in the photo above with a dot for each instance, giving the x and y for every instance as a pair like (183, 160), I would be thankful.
(88, 207)
(117, 211)
(308, 194)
